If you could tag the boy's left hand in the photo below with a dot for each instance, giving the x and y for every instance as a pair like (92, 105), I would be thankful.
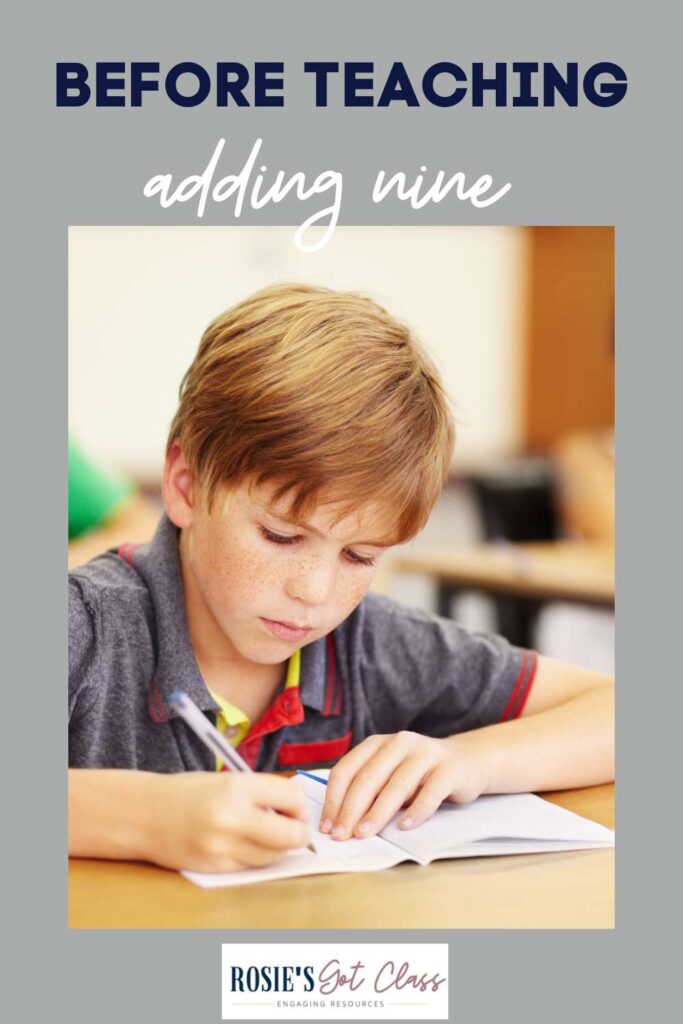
(374, 780)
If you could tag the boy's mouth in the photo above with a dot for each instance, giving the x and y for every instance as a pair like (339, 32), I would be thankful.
(286, 630)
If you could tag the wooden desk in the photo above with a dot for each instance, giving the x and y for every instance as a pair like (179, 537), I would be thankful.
(550, 890)
(549, 570)
(531, 574)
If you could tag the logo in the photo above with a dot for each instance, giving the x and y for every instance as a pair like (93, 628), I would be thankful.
(335, 981)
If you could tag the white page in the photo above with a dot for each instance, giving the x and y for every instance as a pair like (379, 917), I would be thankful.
(314, 790)
(499, 817)
(518, 816)
(509, 847)
(371, 854)
(491, 826)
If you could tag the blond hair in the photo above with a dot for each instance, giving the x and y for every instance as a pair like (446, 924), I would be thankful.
(318, 392)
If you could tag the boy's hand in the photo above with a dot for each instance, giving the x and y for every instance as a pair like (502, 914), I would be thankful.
(224, 821)
(372, 782)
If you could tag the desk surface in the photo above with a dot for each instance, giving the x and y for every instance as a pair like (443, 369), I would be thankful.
(550, 890)
(570, 570)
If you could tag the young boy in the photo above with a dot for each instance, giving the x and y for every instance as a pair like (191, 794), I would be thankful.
(312, 434)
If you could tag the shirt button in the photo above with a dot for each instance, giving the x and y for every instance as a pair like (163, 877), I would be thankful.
(232, 731)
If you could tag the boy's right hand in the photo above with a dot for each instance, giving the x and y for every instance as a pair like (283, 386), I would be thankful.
(223, 821)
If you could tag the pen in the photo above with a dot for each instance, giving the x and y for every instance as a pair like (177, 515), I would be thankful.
(210, 736)
(308, 775)
(206, 732)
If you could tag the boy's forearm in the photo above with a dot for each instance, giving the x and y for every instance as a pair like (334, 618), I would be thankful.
(110, 812)
(569, 745)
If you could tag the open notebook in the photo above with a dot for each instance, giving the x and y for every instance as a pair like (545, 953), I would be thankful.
(492, 825)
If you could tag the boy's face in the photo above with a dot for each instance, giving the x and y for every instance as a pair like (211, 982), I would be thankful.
(259, 585)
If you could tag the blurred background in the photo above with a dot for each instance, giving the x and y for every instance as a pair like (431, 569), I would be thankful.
(520, 321)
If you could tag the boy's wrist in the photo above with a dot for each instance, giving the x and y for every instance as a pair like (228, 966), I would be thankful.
(139, 819)
(475, 755)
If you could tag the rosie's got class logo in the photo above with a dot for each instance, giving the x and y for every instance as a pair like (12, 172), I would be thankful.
(342, 981)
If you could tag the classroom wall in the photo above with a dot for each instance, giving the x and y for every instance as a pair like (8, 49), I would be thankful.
(139, 298)
(568, 363)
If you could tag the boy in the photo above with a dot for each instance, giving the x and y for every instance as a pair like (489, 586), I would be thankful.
(312, 434)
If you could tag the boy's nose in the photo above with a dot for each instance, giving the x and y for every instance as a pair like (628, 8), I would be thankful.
(312, 584)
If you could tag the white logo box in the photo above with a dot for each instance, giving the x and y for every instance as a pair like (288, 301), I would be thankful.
(334, 981)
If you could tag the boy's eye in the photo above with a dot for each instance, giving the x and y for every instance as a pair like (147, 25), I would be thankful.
(357, 559)
(284, 538)
(278, 538)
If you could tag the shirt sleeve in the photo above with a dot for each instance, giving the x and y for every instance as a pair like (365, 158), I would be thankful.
(432, 676)
(94, 493)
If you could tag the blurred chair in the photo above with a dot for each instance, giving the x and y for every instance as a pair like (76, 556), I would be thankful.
(516, 503)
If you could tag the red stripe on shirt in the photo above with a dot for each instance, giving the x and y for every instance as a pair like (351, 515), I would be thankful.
(249, 749)
(154, 705)
(153, 713)
(337, 683)
(291, 754)
(522, 687)
(533, 665)
(126, 552)
(330, 681)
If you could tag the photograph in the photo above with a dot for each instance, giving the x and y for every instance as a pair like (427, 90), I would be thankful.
(341, 533)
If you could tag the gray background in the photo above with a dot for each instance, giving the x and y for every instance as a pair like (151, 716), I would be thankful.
(567, 166)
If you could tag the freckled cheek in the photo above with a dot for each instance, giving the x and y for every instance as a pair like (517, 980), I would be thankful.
(350, 591)
(240, 581)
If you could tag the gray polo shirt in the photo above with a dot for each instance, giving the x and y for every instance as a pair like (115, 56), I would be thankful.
(384, 669)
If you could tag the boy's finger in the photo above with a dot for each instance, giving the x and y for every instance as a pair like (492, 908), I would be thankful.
(254, 855)
(275, 831)
(341, 777)
(428, 800)
(401, 786)
(284, 795)
(376, 775)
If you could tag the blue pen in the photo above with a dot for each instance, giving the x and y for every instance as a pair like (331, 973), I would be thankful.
(316, 778)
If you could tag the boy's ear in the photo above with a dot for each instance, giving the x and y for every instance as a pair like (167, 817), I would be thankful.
(177, 488)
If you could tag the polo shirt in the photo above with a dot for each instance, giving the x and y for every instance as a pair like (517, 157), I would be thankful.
(384, 669)
(233, 723)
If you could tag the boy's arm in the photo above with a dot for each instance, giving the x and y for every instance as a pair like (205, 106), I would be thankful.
(206, 821)
(564, 738)
(109, 813)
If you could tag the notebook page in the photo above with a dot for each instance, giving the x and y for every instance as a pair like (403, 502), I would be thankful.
(371, 854)
(519, 820)
(508, 847)
(518, 816)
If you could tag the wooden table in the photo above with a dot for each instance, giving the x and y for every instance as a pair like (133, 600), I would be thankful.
(528, 574)
(549, 890)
